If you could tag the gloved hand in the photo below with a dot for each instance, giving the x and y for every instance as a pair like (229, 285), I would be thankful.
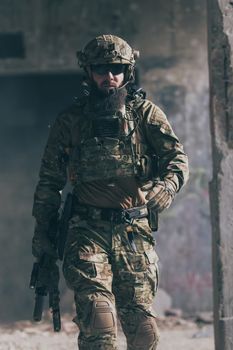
(160, 194)
(41, 243)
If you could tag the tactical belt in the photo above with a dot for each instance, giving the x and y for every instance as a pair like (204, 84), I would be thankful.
(112, 215)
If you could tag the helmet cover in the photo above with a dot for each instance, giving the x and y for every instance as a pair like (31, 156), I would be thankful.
(107, 49)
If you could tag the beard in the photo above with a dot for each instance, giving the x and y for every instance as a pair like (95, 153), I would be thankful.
(112, 99)
(107, 108)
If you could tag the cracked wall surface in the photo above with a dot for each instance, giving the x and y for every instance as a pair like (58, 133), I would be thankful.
(221, 98)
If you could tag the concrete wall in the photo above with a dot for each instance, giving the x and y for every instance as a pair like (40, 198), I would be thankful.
(221, 93)
(171, 36)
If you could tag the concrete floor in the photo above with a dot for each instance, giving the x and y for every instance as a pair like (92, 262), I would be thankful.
(32, 337)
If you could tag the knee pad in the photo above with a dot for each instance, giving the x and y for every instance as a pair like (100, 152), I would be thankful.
(103, 316)
(147, 334)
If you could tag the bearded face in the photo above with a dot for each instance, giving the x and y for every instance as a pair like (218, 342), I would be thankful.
(106, 101)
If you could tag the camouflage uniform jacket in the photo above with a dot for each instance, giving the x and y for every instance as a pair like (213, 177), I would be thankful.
(67, 132)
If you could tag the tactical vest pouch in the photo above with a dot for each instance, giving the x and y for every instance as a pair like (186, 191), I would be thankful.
(108, 126)
(102, 158)
(147, 168)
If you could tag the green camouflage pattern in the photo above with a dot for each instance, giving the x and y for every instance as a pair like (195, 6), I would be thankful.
(108, 159)
(107, 49)
(69, 131)
(99, 261)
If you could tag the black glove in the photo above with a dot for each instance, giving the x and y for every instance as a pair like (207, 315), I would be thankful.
(41, 244)
(160, 194)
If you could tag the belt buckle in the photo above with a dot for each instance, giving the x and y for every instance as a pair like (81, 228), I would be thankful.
(125, 217)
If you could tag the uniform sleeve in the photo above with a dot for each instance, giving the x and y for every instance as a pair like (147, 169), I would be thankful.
(53, 172)
(173, 162)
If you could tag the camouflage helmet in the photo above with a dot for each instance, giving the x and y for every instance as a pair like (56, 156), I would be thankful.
(108, 49)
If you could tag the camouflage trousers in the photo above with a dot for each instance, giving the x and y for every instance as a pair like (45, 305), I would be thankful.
(112, 270)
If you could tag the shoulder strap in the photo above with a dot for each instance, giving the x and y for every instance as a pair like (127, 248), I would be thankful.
(79, 111)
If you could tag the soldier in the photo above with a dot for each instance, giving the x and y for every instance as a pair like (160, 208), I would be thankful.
(125, 164)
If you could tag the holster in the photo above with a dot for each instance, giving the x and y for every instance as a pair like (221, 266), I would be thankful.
(153, 219)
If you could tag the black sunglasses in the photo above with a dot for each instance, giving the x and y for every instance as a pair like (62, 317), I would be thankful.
(103, 69)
